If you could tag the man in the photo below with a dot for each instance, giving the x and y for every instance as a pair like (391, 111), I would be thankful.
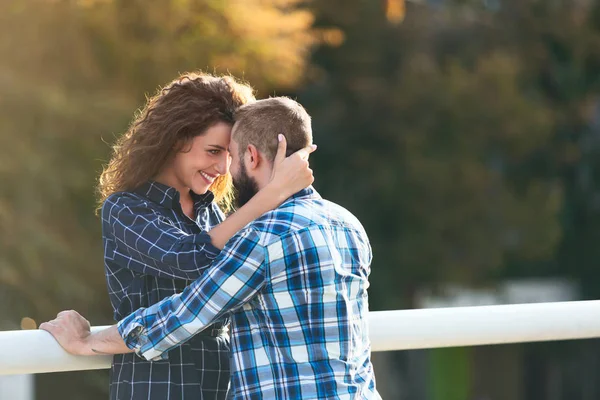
(294, 282)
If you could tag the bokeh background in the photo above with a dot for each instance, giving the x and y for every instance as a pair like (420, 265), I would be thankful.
(465, 134)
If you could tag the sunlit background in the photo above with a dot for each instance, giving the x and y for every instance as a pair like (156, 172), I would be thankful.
(464, 134)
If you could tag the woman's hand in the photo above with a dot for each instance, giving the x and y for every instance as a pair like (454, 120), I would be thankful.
(290, 174)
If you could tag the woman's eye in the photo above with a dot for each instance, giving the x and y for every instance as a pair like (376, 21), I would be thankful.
(214, 152)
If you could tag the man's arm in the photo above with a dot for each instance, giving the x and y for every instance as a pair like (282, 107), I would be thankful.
(238, 273)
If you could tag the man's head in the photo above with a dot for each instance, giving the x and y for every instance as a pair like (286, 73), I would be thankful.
(254, 141)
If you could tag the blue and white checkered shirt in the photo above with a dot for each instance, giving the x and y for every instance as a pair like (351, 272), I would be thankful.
(295, 282)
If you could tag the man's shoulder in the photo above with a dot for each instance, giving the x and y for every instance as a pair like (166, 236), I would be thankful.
(298, 214)
(287, 218)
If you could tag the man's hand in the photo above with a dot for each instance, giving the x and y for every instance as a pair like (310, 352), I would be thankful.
(71, 331)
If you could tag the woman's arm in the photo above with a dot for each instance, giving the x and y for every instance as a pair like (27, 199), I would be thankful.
(238, 274)
(290, 175)
(148, 244)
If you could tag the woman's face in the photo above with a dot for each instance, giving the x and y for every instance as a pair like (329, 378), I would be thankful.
(202, 161)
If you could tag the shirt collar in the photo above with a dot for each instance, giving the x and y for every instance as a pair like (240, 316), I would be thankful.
(168, 196)
(308, 193)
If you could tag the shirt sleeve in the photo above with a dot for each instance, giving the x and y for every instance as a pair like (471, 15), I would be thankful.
(151, 245)
(237, 274)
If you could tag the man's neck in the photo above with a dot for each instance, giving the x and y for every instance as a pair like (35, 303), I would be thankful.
(262, 180)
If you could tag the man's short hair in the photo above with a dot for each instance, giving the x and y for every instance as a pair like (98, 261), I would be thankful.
(260, 122)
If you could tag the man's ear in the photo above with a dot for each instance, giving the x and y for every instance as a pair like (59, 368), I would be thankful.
(253, 157)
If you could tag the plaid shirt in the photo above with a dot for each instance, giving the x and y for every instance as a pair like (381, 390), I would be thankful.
(153, 251)
(295, 282)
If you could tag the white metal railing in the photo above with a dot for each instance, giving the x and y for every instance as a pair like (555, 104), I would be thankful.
(34, 351)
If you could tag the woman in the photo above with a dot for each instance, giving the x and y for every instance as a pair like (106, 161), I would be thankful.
(162, 225)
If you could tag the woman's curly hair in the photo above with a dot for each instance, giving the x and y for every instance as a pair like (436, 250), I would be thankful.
(180, 111)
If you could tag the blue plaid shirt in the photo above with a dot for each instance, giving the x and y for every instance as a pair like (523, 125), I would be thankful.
(295, 282)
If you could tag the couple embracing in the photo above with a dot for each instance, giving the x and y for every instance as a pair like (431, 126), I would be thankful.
(269, 302)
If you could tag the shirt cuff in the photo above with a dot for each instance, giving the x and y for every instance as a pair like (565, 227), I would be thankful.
(135, 335)
(203, 239)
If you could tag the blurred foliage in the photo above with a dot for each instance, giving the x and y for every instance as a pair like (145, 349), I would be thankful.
(464, 134)
(456, 135)
(71, 75)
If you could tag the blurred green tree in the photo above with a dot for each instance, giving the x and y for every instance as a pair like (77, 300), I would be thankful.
(558, 44)
(425, 135)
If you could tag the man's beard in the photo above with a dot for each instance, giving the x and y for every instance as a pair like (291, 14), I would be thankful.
(245, 187)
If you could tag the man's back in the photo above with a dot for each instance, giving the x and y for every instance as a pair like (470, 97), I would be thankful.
(305, 333)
